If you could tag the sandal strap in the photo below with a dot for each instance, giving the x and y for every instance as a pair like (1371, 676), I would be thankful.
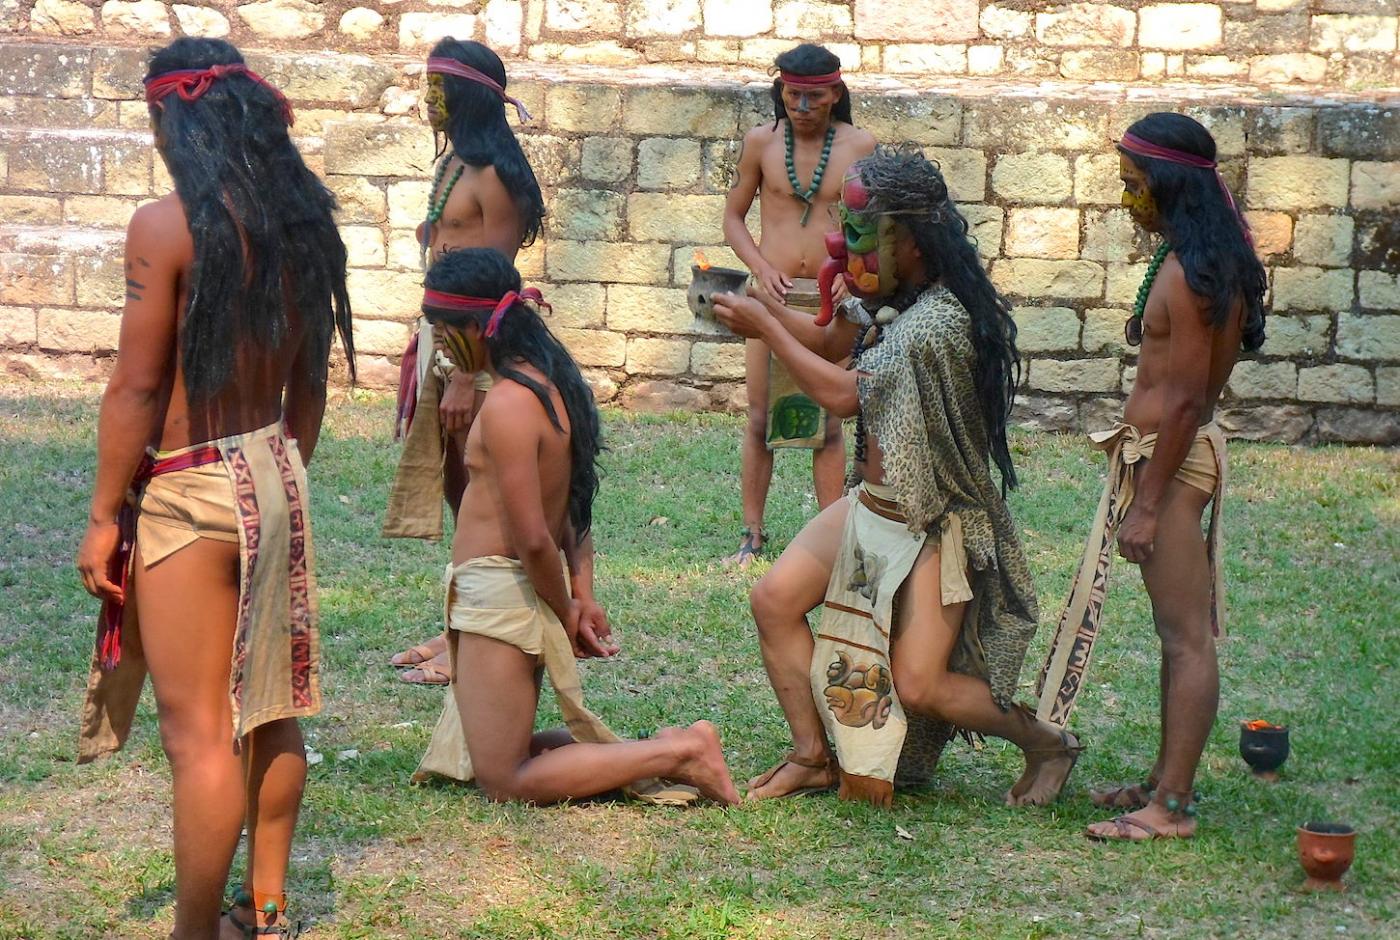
(1126, 822)
(1065, 747)
(793, 758)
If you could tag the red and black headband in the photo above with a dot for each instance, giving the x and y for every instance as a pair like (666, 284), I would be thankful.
(442, 65)
(191, 84)
(1131, 143)
(794, 80)
(442, 300)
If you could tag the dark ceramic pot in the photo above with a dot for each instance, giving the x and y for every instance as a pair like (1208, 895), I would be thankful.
(706, 282)
(1264, 749)
(1325, 851)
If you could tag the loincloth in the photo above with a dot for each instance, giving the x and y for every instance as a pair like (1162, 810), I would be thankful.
(492, 597)
(794, 419)
(1067, 664)
(246, 488)
(852, 680)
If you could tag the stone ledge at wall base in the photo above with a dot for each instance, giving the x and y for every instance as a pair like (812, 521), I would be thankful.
(635, 164)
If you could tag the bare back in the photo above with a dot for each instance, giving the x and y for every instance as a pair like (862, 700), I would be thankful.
(479, 213)
(511, 414)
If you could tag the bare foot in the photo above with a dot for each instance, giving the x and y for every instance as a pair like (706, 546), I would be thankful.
(1129, 796)
(435, 671)
(1047, 769)
(432, 649)
(791, 778)
(1153, 821)
(704, 766)
(749, 549)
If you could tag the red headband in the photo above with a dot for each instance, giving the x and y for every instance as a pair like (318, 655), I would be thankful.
(190, 84)
(441, 65)
(810, 81)
(441, 300)
(1146, 148)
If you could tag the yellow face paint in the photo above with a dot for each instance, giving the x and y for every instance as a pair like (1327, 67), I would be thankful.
(465, 351)
(435, 101)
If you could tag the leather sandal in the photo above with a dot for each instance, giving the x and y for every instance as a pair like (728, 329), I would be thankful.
(278, 925)
(828, 764)
(747, 549)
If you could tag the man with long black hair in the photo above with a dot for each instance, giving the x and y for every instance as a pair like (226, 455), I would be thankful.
(927, 602)
(794, 165)
(484, 195)
(514, 607)
(1201, 302)
(199, 541)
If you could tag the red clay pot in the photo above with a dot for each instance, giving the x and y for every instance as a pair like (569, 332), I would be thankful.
(1325, 851)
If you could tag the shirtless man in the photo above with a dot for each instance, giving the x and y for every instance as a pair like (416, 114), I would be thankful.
(795, 166)
(484, 195)
(927, 606)
(214, 406)
(1201, 302)
(532, 454)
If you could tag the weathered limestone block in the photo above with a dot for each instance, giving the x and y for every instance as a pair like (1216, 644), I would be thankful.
(378, 149)
(1109, 235)
(419, 32)
(1344, 33)
(1099, 64)
(804, 20)
(135, 18)
(608, 261)
(668, 163)
(652, 356)
(985, 223)
(360, 23)
(381, 337)
(600, 16)
(52, 71)
(1273, 231)
(1123, 282)
(126, 167)
(586, 214)
(355, 80)
(1287, 67)
(78, 330)
(1379, 290)
(760, 53)
(573, 106)
(99, 281)
(964, 170)
(1366, 133)
(1378, 240)
(576, 306)
(1085, 24)
(985, 60)
(504, 22)
(1215, 66)
(554, 159)
(1043, 233)
(926, 58)
(1180, 26)
(717, 360)
(61, 18)
(680, 112)
(200, 21)
(1034, 124)
(1388, 385)
(1297, 182)
(663, 18)
(19, 327)
(1358, 426)
(1368, 336)
(1046, 329)
(640, 309)
(408, 202)
(1286, 424)
(1375, 185)
(383, 293)
(1099, 413)
(1096, 179)
(720, 160)
(1042, 413)
(30, 210)
(599, 52)
(283, 19)
(738, 17)
(675, 217)
(50, 164)
(607, 159)
(1103, 330)
(1308, 337)
(1251, 379)
(594, 347)
(925, 119)
(603, 385)
(1032, 178)
(946, 20)
(660, 397)
(1074, 375)
(364, 246)
(1308, 288)
(1279, 131)
(1264, 33)
(26, 111)
(1336, 383)
(1005, 22)
(1031, 277)
(1323, 239)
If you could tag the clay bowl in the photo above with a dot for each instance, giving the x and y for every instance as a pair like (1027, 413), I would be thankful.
(1325, 851)
(1264, 749)
(706, 282)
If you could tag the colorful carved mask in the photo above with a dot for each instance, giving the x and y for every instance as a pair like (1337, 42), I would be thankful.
(862, 250)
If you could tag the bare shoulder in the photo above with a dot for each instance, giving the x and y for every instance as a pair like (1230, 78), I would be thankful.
(161, 227)
(856, 138)
(1171, 277)
(761, 136)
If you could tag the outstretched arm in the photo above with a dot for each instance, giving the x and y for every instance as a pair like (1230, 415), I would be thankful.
(748, 176)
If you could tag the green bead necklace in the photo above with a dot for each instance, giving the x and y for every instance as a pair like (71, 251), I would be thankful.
(817, 174)
(1132, 330)
(435, 207)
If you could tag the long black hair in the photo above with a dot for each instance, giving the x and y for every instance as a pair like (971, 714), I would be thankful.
(809, 59)
(265, 243)
(1203, 229)
(521, 336)
(902, 181)
(480, 134)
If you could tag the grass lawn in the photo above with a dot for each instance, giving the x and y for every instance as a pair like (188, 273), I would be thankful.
(1312, 542)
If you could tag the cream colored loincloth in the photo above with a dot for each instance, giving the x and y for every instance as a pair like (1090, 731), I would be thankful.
(794, 419)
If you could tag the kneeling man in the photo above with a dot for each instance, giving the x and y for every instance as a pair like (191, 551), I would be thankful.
(927, 601)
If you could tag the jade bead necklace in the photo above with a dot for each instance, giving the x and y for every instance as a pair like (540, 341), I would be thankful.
(1132, 330)
(817, 174)
(436, 206)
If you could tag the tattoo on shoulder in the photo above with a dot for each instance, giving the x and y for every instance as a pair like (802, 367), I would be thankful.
(133, 286)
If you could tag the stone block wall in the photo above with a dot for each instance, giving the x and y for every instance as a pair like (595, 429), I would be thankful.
(635, 163)
(1337, 43)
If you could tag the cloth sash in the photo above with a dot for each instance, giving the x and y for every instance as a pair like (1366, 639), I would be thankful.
(794, 419)
(274, 667)
(851, 676)
(492, 596)
(1067, 663)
